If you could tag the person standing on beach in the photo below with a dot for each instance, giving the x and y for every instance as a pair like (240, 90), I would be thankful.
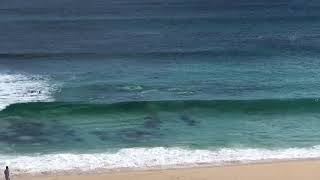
(7, 173)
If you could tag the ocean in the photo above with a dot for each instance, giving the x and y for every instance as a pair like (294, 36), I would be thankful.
(91, 85)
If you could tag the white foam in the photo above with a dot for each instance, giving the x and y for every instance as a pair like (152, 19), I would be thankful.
(22, 88)
(148, 158)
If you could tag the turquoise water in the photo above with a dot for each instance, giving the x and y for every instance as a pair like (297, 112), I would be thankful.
(60, 115)
(157, 84)
(67, 127)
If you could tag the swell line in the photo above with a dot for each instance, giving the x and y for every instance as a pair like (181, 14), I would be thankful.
(246, 106)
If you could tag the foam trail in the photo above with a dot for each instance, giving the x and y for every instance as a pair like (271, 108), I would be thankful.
(21, 88)
(145, 158)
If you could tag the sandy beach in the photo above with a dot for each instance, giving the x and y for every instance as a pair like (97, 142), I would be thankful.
(294, 170)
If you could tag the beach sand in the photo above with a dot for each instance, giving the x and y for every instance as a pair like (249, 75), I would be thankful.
(293, 170)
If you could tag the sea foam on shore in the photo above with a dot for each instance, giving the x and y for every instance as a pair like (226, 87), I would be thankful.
(149, 158)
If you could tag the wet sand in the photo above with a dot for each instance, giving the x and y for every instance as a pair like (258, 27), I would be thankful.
(293, 170)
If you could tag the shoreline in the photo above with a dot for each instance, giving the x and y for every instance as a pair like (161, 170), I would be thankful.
(138, 159)
(281, 169)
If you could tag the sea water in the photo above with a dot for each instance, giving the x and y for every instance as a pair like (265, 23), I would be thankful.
(149, 84)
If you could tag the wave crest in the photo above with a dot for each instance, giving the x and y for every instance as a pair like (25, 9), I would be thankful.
(20, 88)
(246, 106)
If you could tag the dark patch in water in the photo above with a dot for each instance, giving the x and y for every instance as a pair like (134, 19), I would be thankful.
(188, 120)
(30, 128)
(102, 135)
(22, 132)
(152, 122)
(70, 133)
(126, 135)
(21, 138)
(136, 135)
(78, 139)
